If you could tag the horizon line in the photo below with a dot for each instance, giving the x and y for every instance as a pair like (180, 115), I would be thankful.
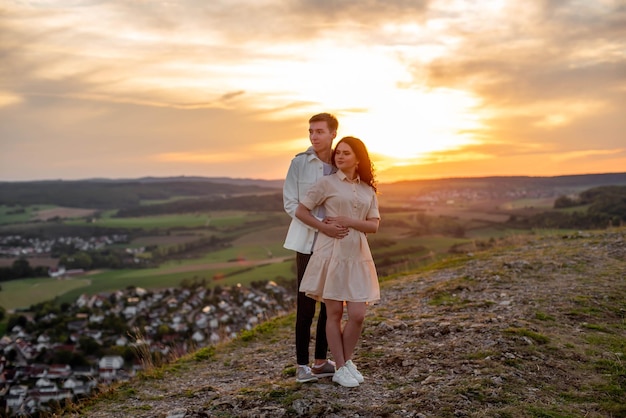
(183, 176)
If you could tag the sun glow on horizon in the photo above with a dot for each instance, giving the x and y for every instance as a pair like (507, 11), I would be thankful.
(396, 115)
(417, 124)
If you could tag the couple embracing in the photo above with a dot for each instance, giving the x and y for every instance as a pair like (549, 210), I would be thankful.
(331, 196)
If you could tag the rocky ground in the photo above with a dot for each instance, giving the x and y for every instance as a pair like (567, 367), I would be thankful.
(533, 328)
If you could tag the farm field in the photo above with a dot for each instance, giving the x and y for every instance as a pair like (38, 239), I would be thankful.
(253, 256)
(255, 251)
(29, 213)
(239, 264)
(242, 263)
(239, 252)
(248, 257)
(191, 220)
(20, 214)
(23, 293)
(537, 203)
(33, 261)
(228, 273)
(62, 213)
(166, 240)
(466, 213)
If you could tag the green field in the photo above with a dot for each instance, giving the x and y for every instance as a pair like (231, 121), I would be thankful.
(247, 252)
(165, 277)
(170, 200)
(7, 218)
(213, 264)
(25, 292)
(581, 209)
(190, 220)
(252, 249)
(537, 203)
(255, 253)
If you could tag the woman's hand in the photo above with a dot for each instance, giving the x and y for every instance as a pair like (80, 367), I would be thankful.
(344, 221)
(334, 228)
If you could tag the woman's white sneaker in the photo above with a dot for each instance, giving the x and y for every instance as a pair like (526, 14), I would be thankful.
(345, 378)
(354, 372)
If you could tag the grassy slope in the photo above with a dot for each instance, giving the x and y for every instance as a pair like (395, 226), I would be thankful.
(535, 329)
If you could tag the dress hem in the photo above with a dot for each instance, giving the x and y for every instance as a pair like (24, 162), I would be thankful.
(321, 299)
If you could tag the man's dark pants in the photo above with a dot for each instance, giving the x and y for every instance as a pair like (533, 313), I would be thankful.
(305, 311)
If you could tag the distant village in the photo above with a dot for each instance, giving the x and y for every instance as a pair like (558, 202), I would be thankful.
(453, 196)
(166, 323)
(19, 246)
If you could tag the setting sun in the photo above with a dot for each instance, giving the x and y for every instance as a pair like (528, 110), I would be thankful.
(408, 124)
(395, 117)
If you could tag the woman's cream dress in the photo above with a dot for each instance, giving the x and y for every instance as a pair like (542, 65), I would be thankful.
(342, 269)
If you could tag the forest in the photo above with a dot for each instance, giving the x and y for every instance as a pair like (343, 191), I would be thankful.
(594, 208)
(120, 194)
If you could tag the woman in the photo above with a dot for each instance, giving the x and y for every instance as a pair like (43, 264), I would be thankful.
(342, 269)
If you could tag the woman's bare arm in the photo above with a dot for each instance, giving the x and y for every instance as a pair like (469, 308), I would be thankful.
(334, 230)
(368, 226)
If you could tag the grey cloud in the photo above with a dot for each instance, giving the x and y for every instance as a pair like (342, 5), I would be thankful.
(114, 141)
(355, 9)
(563, 68)
(524, 81)
(494, 61)
(46, 4)
(25, 73)
(196, 105)
(228, 96)
(304, 19)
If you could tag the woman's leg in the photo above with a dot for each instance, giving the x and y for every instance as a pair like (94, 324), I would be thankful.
(321, 344)
(353, 328)
(334, 314)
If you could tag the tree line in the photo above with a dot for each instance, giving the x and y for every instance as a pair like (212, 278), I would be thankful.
(256, 203)
(605, 206)
(21, 269)
(113, 194)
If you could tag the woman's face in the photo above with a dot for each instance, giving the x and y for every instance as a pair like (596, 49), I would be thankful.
(345, 158)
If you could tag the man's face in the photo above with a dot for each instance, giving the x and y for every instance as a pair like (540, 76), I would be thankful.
(321, 138)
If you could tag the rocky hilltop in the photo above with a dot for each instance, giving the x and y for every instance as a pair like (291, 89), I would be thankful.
(535, 327)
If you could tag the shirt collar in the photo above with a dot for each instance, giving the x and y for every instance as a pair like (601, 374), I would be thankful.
(312, 155)
(343, 177)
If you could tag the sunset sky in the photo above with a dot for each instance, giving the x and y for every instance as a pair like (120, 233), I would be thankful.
(439, 88)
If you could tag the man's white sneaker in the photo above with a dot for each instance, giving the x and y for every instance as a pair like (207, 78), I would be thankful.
(303, 375)
(345, 378)
(354, 372)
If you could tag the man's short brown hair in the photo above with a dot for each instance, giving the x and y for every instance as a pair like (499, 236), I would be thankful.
(331, 120)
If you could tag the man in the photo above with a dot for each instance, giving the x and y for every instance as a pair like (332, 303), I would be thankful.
(305, 169)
